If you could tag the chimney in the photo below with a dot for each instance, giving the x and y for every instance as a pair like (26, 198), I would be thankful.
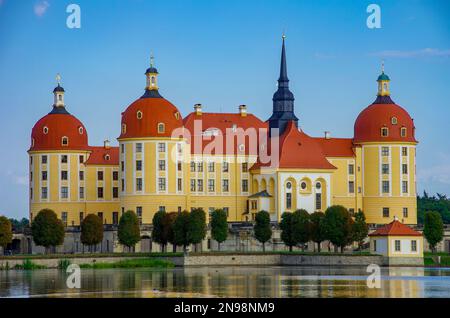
(395, 218)
(327, 135)
(106, 144)
(198, 109)
(243, 110)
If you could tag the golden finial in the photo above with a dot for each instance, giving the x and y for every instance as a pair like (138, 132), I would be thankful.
(283, 36)
(382, 66)
(152, 59)
(58, 78)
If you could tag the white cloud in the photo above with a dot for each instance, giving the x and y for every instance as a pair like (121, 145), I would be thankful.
(437, 173)
(17, 179)
(427, 52)
(40, 8)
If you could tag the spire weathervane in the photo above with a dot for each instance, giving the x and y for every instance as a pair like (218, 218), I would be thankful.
(58, 78)
(382, 66)
(152, 59)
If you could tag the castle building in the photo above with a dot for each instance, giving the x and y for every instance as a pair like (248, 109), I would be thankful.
(233, 161)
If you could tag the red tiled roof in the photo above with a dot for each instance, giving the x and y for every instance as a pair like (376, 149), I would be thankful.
(395, 228)
(336, 147)
(99, 156)
(298, 150)
(224, 122)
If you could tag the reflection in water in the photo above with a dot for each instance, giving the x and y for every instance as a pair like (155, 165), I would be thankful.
(229, 282)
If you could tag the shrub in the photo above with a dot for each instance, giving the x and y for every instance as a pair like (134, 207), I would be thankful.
(5, 232)
(91, 231)
(129, 233)
(47, 229)
(262, 228)
(433, 229)
(219, 226)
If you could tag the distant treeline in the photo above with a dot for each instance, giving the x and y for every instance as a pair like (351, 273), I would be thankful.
(439, 203)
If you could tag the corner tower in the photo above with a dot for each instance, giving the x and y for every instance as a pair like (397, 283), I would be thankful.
(283, 99)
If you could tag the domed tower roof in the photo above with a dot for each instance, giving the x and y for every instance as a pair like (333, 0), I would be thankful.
(151, 115)
(383, 120)
(59, 130)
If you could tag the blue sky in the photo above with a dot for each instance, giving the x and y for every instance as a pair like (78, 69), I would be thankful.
(222, 54)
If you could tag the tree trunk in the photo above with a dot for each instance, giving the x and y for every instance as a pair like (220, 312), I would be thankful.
(218, 244)
(290, 248)
(174, 248)
(264, 247)
(342, 249)
(318, 246)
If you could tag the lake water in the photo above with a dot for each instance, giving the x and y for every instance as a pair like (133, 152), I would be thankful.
(229, 282)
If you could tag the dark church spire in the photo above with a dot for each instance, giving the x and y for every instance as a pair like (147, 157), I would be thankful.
(283, 99)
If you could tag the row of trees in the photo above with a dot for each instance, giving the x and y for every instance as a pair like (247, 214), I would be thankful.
(300, 227)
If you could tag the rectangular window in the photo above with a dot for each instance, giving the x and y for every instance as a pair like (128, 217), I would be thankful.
(123, 185)
(192, 185)
(385, 168)
(404, 151)
(225, 186)
(210, 166)
(44, 175)
(122, 148)
(226, 210)
(44, 193)
(351, 169)
(162, 165)
(138, 165)
(64, 159)
(200, 166)
(139, 214)
(64, 192)
(31, 193)
(318, 201)
(81, 190)
(180, 184)
(161, 147)
(44, 159)
(405, 186)
(138, 184)
(162, 208)
(162, 184)
(192, 166)
(200, 185)
(374, 245)
(31, 176)
(211, 185)
(385, 186)
(225, 166)
(254, 205)
(115, 192)
(100, 192)
(179, 166)
(245, 167)
(100, 175)
(397, 245)
(64, 175)
(385, 151)
(288, 201)
(81, 175)
(385, 212)
(115, 175)
(122, 166)
(404, 168)
(413, 246)
(244, 185)
(64, 218)
(180, 149)
(81, 159)
(81, 216)
(351, 187)
(138, 147)
(405, 212)
(115, 218)
(100, 215)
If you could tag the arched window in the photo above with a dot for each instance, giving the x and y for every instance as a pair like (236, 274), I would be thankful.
(288, 185)
(394, 120)
(318, 185)
(124, 128)
(139, 114)
(177, 115)
(384, 132)
(80, 130)
(32, 142)
(403, 131)
(65, 141)
(45, 130)
(303, 185)
(107, 157)
(161, 128)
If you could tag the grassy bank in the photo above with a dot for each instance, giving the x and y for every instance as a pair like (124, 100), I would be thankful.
(431, 259)
(88, 255)
(131, 263)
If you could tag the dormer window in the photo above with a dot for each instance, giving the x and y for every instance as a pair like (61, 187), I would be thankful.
(107, 157)
(161, 128)
(241, 147)
(139, 114)
(384, 132)
(45, 130)
(32, 142)
(403, 131)
(80, 130)
(177, 115)
(394, 120)
(65, 141)
(124, 128)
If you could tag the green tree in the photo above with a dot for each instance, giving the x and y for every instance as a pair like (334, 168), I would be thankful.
(47, 229)
(439, 203)
(287, 230)
(302, 232)
(181, 230)
(19, 226)
(360, 229)
(129, 233)
(338, 226)
(433, 229)
(196, 226)
(168, 234)
(219, 226)
(5, 232)
(262, 228)
(91, 231)
(318, 233)
(158, 229)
